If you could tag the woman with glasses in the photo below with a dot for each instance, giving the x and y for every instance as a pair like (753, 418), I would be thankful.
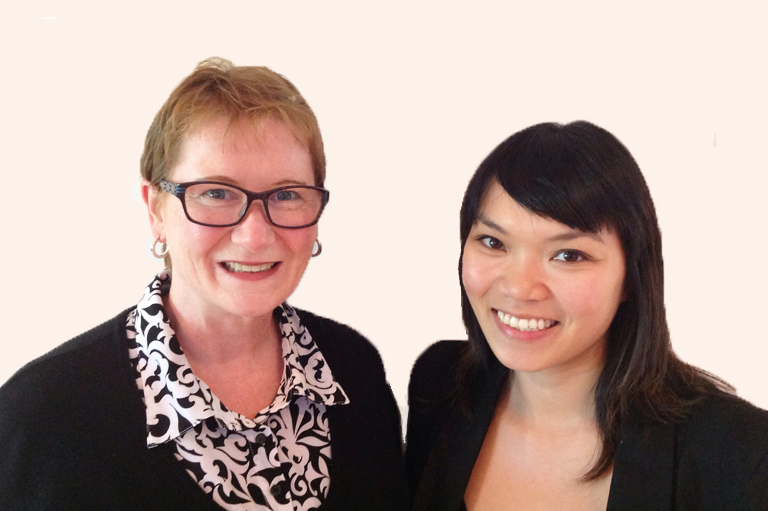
(212, 392)
(568, 394)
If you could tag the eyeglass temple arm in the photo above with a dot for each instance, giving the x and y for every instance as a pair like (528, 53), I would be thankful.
(171, 188)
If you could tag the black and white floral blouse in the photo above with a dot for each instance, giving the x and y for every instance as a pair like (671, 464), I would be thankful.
(276, 461)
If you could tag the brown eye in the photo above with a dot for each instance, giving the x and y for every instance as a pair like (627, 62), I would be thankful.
(570, 256)
(491, 242)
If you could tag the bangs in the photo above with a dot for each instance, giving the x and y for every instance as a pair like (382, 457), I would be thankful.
(572, 174)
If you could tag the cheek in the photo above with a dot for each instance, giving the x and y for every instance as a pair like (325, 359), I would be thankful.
(203, 237)
(300, 241)
(473, 275)
(593, 299)
(186, 239)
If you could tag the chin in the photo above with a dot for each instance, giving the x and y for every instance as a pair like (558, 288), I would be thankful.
(251, 308)
(519, 362)
(522, 367)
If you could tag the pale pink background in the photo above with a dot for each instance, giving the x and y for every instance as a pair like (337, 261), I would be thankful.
(410, 97)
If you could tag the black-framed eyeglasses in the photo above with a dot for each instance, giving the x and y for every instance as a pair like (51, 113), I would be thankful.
(218, 204)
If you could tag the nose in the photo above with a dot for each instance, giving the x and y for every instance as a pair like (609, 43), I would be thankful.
(254, 230)
(524, 280)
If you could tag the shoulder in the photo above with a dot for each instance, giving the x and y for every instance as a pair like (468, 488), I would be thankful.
(431, 399)
(67, 410)
(432, 389)
(351, 357)
(434, 373)
(367, 438)
(78, 374)
(332, 336)
(69, 368)
(319, 325)
(730, 422)
(724, 412)
(725, 437)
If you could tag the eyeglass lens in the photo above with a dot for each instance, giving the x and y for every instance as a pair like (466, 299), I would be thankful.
(217, 204)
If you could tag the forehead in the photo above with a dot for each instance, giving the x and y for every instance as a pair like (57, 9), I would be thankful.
(242, 134)
(500, 212)
(244, 152)
(499, 208)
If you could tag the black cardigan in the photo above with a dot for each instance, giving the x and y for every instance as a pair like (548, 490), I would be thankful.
(717, 459)
(73, 431)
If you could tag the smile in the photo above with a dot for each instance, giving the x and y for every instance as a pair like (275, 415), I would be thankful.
(244, 268)
(525, 325)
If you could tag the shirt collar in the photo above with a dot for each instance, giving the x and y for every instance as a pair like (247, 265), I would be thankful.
(177, 400)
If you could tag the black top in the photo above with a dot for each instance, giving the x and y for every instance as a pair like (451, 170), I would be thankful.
(717, 459)
(73, 431)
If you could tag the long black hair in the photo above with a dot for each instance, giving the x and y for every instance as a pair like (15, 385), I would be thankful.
(582, 176)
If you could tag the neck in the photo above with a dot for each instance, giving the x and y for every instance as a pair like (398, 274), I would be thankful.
(219, 340)
(555, 397)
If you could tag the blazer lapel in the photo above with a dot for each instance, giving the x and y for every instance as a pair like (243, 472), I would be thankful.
(447, 471)
(644, 466)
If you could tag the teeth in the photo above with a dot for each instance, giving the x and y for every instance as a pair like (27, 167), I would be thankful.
(237, 267)
(525, 325)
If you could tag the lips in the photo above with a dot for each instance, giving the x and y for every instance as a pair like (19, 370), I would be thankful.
(244, 268)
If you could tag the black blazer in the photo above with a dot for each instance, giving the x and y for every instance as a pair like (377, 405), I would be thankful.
(717, 459)
(73, 431)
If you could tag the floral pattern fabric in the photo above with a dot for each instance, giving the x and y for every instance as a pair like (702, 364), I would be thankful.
(275, 461)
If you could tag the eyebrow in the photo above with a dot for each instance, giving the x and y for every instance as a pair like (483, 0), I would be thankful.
(572, 234)
(286, 182)
(225, 179)
(491, 225)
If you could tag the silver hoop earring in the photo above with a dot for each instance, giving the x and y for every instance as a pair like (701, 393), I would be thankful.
(154, 251)
(317, 249)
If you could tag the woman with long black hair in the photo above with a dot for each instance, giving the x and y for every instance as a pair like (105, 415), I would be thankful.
(568, 394)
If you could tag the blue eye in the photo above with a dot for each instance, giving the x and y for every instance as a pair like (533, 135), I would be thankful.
(216, 193)
(286, 195)
(570, 256)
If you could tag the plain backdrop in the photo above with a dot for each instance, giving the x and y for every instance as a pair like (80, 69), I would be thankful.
(410, 96)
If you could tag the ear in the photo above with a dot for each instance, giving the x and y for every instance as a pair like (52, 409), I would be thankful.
(149, 194)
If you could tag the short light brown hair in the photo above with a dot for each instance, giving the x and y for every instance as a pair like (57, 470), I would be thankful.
(218, 88)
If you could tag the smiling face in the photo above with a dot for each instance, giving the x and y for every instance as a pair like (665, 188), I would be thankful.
(206, 280)
(544, 294)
